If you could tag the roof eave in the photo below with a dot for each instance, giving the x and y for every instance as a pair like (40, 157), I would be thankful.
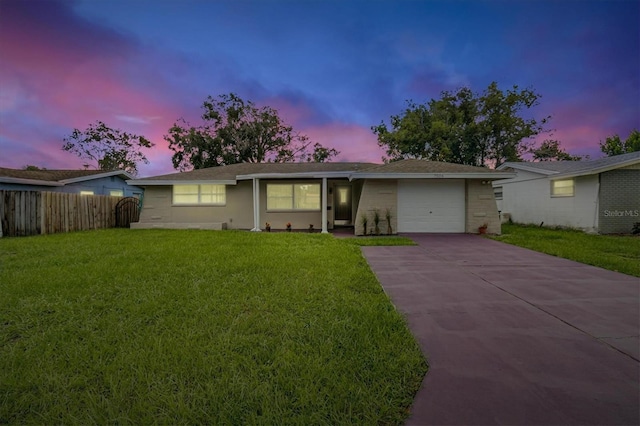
(21, 181)
(484, 175)
(297, 175)
(595, 171)
(526, 168)
(143, 182)
(126, 175)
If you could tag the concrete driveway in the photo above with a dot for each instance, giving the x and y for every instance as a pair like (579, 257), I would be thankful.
(513, 336)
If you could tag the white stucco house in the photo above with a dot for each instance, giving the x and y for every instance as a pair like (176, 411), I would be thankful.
(600, 195)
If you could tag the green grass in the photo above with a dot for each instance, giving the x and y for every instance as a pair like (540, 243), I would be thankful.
(199, 327)
(616, 253)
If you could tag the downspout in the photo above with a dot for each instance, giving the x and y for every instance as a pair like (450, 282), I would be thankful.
(324, 206)
(256, 205)
(596, 215)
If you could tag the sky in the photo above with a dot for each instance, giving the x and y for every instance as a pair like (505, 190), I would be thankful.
(331, 68)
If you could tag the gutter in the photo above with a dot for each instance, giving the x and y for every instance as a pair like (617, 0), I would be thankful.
(308, 175)
(596, 216)
(142, 182)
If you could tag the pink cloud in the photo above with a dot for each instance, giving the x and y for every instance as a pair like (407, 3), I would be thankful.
(355, 143)
(65, 73)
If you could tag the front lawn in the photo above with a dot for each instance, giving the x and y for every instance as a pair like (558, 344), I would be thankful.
(199, 327)
(616, 253)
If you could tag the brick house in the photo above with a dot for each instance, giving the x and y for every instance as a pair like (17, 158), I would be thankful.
(422, 196)
(600, 195)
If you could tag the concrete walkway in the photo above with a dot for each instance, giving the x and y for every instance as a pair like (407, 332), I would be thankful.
(513, 336)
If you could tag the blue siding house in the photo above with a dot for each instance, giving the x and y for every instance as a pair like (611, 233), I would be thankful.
(88, 182)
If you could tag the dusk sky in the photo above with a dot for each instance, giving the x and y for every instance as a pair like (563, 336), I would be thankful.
(331, 68)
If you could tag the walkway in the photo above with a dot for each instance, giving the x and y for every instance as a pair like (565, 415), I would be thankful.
(514, 336)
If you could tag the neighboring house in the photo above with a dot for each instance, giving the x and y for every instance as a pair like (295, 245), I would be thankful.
(88, 182)
(423, 196)
(597, 195)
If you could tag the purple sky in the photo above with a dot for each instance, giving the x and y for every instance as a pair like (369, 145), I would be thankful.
(332, 68)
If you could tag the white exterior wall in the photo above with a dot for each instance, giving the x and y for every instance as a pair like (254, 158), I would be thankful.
(527, 198)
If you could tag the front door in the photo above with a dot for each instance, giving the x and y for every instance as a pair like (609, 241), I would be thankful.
(342, 205)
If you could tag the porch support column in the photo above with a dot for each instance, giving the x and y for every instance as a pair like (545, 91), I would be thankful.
(256, 205)
(324, 206)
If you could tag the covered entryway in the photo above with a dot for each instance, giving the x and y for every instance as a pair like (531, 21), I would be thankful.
(342, 203)
(431, 205)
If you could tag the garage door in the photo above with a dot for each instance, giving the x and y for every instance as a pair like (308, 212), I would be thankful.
(428, 205)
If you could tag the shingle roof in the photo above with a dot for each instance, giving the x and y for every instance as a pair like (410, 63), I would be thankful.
(425, 166)
(47, 175)
(231, 171)
(583, 167)
(410, 168)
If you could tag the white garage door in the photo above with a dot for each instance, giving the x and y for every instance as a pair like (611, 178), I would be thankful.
(429, 205)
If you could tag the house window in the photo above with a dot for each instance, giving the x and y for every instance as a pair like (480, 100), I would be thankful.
(209, 194)
(562, 188)
(299, 196)
(116, 192)
(497, 192)
(86, 192)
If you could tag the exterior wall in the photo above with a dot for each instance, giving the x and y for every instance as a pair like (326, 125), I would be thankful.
(377, 194)
(158, 210)
(279, 219)
(100, 186)
(619, 205)
(481, 207)
(528, 199)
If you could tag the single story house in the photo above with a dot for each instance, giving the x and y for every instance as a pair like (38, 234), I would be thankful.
(422, 196)
(86, 182)
(600, 195)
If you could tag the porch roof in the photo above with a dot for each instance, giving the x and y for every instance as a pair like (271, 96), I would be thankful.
(232, 173)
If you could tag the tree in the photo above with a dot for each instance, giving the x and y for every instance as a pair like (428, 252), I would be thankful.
(110, 149)
(237, 131)
(32, 168)
(550, 150)
(614, 146)
(463, 127)
(441, 130)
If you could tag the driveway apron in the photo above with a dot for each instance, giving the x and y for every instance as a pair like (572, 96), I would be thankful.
(513, 336)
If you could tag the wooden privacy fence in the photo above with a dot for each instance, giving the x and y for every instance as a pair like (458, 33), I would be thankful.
(25, 213)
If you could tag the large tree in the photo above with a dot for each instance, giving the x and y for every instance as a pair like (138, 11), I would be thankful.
(551, 150)
(110, 149)
(613, 145)
(463, 127)
(237, 131)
